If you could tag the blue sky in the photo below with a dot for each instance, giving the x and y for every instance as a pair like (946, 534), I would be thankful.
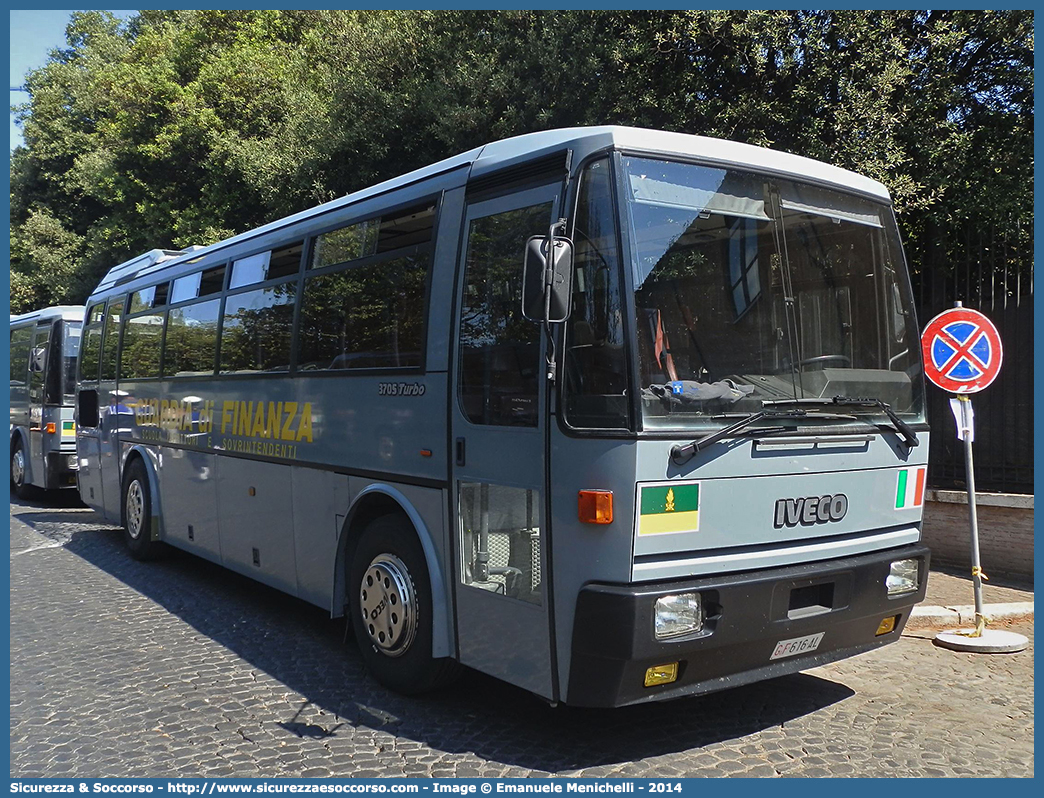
(33, 35)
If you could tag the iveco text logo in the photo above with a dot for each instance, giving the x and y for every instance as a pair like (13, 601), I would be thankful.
(811, 510)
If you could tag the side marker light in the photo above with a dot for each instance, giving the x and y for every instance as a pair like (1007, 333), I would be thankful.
(595, 506)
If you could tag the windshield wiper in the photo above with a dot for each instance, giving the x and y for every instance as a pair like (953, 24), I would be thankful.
(904, 429)
(683, 453)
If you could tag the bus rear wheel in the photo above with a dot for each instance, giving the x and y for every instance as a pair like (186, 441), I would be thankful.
(137, 514)
(390, 608)
(22, 489)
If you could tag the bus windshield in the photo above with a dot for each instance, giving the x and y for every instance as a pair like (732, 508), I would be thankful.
(70, 351)
(751, 289)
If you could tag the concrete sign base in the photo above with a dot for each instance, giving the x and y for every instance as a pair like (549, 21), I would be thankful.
(992, 641)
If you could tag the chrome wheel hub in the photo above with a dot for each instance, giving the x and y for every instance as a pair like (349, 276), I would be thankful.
(18, 467)
(135, 509)
(389, 605)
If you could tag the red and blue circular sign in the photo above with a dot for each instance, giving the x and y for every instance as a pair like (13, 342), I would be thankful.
(962, 351)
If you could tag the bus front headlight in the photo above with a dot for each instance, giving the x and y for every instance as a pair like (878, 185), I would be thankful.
(902, 577)
(677, 615)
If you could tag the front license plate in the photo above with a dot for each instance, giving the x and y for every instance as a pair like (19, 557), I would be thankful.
(797, 645)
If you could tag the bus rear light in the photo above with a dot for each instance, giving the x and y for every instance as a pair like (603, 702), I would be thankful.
(51, 428)
(595, 506)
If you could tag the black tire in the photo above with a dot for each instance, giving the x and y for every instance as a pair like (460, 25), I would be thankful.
(396, 649)
(21, 488)
(137, 513)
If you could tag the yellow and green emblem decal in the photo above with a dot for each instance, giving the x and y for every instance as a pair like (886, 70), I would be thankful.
(669, 508)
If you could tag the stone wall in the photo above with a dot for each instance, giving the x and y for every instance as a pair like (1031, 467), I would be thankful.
(1005, 531)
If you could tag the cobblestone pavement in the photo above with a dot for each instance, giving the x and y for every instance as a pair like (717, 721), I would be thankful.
(953, 587)
(180, 668)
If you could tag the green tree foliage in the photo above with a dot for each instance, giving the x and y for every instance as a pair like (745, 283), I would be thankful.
(183, 127)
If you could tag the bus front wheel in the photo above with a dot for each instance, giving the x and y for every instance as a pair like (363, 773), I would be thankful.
(22, 489)
(137, 514)
(390, 608)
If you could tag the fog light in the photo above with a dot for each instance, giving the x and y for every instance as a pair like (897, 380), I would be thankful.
(887, 625)
(678, 615)
(902, 577)
(661, 674)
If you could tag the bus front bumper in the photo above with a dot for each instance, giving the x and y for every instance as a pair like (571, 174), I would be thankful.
(746, 616)
(61, 470)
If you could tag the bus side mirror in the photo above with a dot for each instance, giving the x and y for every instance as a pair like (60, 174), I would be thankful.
(556, 279)
(87, 408)
(37, 360)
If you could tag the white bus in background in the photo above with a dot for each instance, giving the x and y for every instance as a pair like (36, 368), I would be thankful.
(44, 348)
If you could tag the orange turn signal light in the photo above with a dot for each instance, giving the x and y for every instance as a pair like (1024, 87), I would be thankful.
(50, 429)
(595, 506)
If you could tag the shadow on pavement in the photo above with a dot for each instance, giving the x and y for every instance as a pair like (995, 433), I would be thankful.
(301, 647)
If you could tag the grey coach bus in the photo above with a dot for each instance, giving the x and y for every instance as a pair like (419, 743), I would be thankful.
(44, 346)
(691, 456)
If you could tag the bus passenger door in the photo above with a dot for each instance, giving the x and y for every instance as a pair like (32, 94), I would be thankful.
(88, 476)
(37, 382)
(497, 444)
(110, 411)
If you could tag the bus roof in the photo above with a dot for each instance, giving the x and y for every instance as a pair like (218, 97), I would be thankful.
(71, 312)
(507, 152)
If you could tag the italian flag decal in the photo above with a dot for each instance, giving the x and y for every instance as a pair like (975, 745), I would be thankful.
(668, 507)
(909, 488)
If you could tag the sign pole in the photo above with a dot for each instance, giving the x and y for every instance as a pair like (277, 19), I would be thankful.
(969, 467)
(962, 354)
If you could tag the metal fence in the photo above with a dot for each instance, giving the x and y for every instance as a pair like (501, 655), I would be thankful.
(990, 270)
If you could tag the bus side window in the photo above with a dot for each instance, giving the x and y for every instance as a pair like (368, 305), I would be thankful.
(38, 363)
(111, 340)
(90, 357)
(256, 330)
(190, 345)
(21, 344)
(140, 353)
(368, 316)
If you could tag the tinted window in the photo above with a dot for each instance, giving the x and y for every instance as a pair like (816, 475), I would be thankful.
(90, 354)
(256, 331)
(360, 240)
(191, 342)
(21, 343)
(269, 265)
(595, 366)
(140, 353)
(348, 243)
(142, 300)
(406, 228)
(70, 352)
(155, 296)
(212, 281)
(499, 349)
(370, 316)
(111, 341)
(96, 313)
(38, 362)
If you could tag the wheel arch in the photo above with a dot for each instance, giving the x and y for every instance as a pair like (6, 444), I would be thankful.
(148, 459)
(380, 499)
(18, 434)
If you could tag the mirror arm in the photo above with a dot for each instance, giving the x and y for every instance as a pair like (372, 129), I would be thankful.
(549, 281)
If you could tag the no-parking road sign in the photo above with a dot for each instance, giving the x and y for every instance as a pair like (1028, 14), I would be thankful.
(962, 351)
